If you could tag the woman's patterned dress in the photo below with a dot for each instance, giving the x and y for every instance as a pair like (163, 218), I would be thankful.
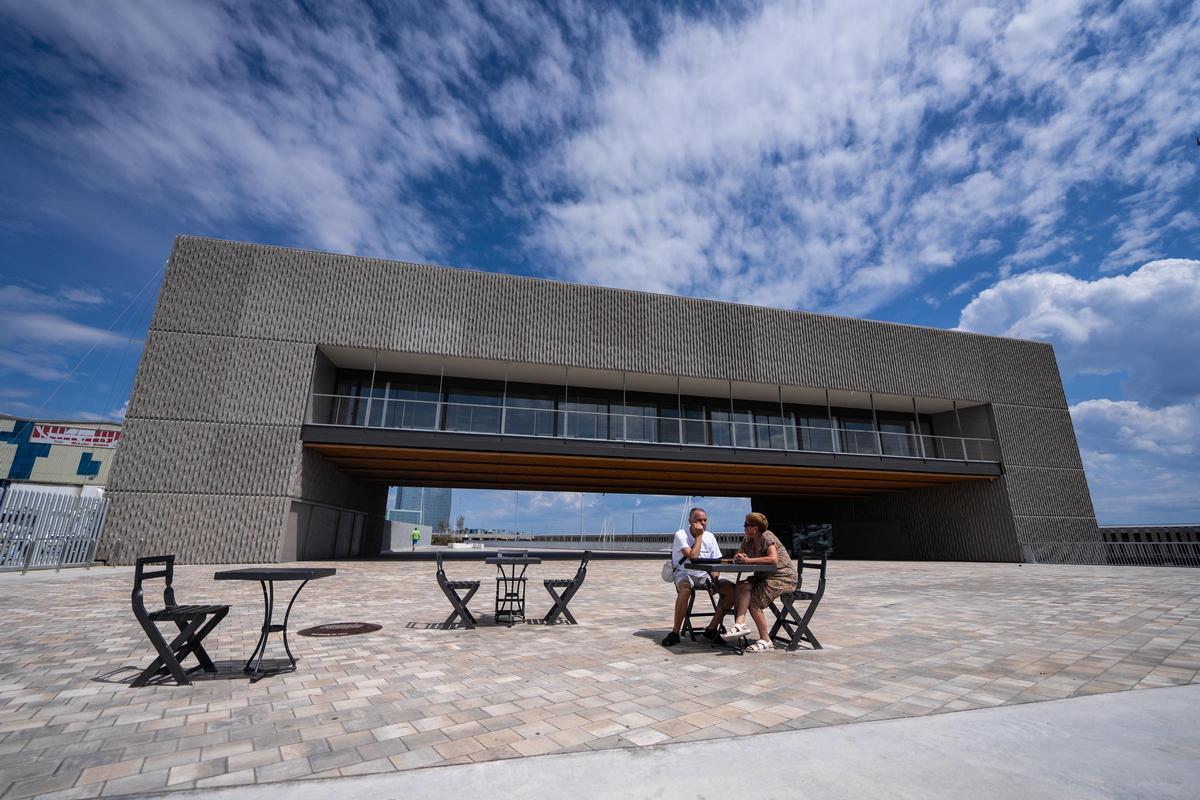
(765, 588)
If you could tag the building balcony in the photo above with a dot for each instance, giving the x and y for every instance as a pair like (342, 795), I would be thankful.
(510, 417)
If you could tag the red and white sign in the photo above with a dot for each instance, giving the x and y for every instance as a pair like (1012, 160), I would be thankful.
(76, 437)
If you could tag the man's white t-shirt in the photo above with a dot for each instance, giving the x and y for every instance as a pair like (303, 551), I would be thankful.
(708, 549)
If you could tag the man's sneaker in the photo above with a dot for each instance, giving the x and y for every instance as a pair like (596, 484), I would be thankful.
(737, 632)
(710, 634)
(671, 639)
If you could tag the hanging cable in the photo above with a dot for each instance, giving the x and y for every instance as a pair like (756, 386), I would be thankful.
(114, 323)
(131, 359)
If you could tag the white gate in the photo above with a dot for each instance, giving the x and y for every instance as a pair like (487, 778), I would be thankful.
(43, 530)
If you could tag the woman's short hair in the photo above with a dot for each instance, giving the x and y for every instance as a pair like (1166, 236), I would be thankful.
(757, 520)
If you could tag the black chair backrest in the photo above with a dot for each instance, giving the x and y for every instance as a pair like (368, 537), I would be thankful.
(581, 573)
(809, 562)
(141, 573)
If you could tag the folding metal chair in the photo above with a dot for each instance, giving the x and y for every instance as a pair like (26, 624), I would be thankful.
(571, 586)
(458, 602)
(687, 629)
(792, 621)
(194, 623)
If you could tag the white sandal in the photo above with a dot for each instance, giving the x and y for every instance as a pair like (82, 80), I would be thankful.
(736, 631)
(761, 646)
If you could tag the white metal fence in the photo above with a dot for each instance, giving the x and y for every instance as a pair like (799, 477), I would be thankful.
(1128, 554)
(48, 530)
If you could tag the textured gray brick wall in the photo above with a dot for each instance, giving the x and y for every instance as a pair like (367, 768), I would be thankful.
(962, 522)
(212, 463)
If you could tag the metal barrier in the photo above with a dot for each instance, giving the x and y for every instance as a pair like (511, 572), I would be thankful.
(637, 542)
(1126, 554)
(48, 530)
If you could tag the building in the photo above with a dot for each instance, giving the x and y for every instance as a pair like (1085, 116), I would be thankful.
(421, 505)
(70, 455)
(282, 391)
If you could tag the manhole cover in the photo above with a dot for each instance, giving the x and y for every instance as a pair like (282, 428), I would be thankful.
(341, 629)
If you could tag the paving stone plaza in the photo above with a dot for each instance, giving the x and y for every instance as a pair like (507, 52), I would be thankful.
(901, 640)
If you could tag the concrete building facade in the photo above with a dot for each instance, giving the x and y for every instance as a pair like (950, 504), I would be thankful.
(281, 391)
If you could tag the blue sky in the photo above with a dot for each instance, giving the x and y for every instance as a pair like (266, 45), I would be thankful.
(1018, 169)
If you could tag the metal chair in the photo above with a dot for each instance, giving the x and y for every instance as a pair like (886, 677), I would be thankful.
(194, 623)
(791, 620)
(687, 629)
(458, 602)
(570, 587)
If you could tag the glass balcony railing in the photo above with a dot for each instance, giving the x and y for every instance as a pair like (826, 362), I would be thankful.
(495, 419)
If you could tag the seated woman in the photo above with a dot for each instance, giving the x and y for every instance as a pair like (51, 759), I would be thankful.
(760, 546)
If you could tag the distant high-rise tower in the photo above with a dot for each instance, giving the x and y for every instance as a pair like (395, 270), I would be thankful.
(421, 505)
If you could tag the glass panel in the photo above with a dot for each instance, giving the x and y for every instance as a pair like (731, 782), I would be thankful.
(857, 436)
(668, 428)
(638, 419)
(530, 410)
(347, 409)
(586, 417)
(769, 430)
(744, 432)
(695, 423)
(722, 428)
(932, 447)
(375, 408)
(530, 421)
(410, 414)
(816, 434)
(410, 387)
(897, 438)
(473, 406)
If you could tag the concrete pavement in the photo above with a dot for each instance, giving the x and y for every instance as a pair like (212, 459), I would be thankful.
(1140, 744)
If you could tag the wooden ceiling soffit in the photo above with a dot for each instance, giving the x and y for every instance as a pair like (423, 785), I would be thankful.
(360, 454)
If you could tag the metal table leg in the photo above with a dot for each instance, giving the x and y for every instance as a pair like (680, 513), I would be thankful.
(257, 673)
(510, 593)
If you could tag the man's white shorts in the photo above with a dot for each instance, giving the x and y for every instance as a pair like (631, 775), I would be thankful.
(696, 581)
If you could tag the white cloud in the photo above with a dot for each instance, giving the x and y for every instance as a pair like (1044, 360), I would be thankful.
(39, 366)
(787, 158)
(1142, 454)
(1130, 428)
(818, 155)
(54, 329)
(42, 330)
(114, 415)
(13, 296)
(326, 127)
(1141, 462)
(559, 512)
(1142, 324)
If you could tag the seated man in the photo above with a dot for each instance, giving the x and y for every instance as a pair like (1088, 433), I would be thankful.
(696, 542)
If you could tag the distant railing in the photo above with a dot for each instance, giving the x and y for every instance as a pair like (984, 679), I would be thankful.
(506, 420)
(1127, 554)
(48, 530)
(636, 542)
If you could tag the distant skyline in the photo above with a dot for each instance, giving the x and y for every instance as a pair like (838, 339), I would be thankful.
(1025, 169)
(592, 512)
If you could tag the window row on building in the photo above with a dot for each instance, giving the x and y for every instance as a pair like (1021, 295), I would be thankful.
(427, 402)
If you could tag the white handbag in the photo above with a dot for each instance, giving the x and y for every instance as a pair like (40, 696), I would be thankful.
(668, 570)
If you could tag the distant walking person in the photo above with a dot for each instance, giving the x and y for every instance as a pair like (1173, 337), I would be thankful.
(416, 537)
